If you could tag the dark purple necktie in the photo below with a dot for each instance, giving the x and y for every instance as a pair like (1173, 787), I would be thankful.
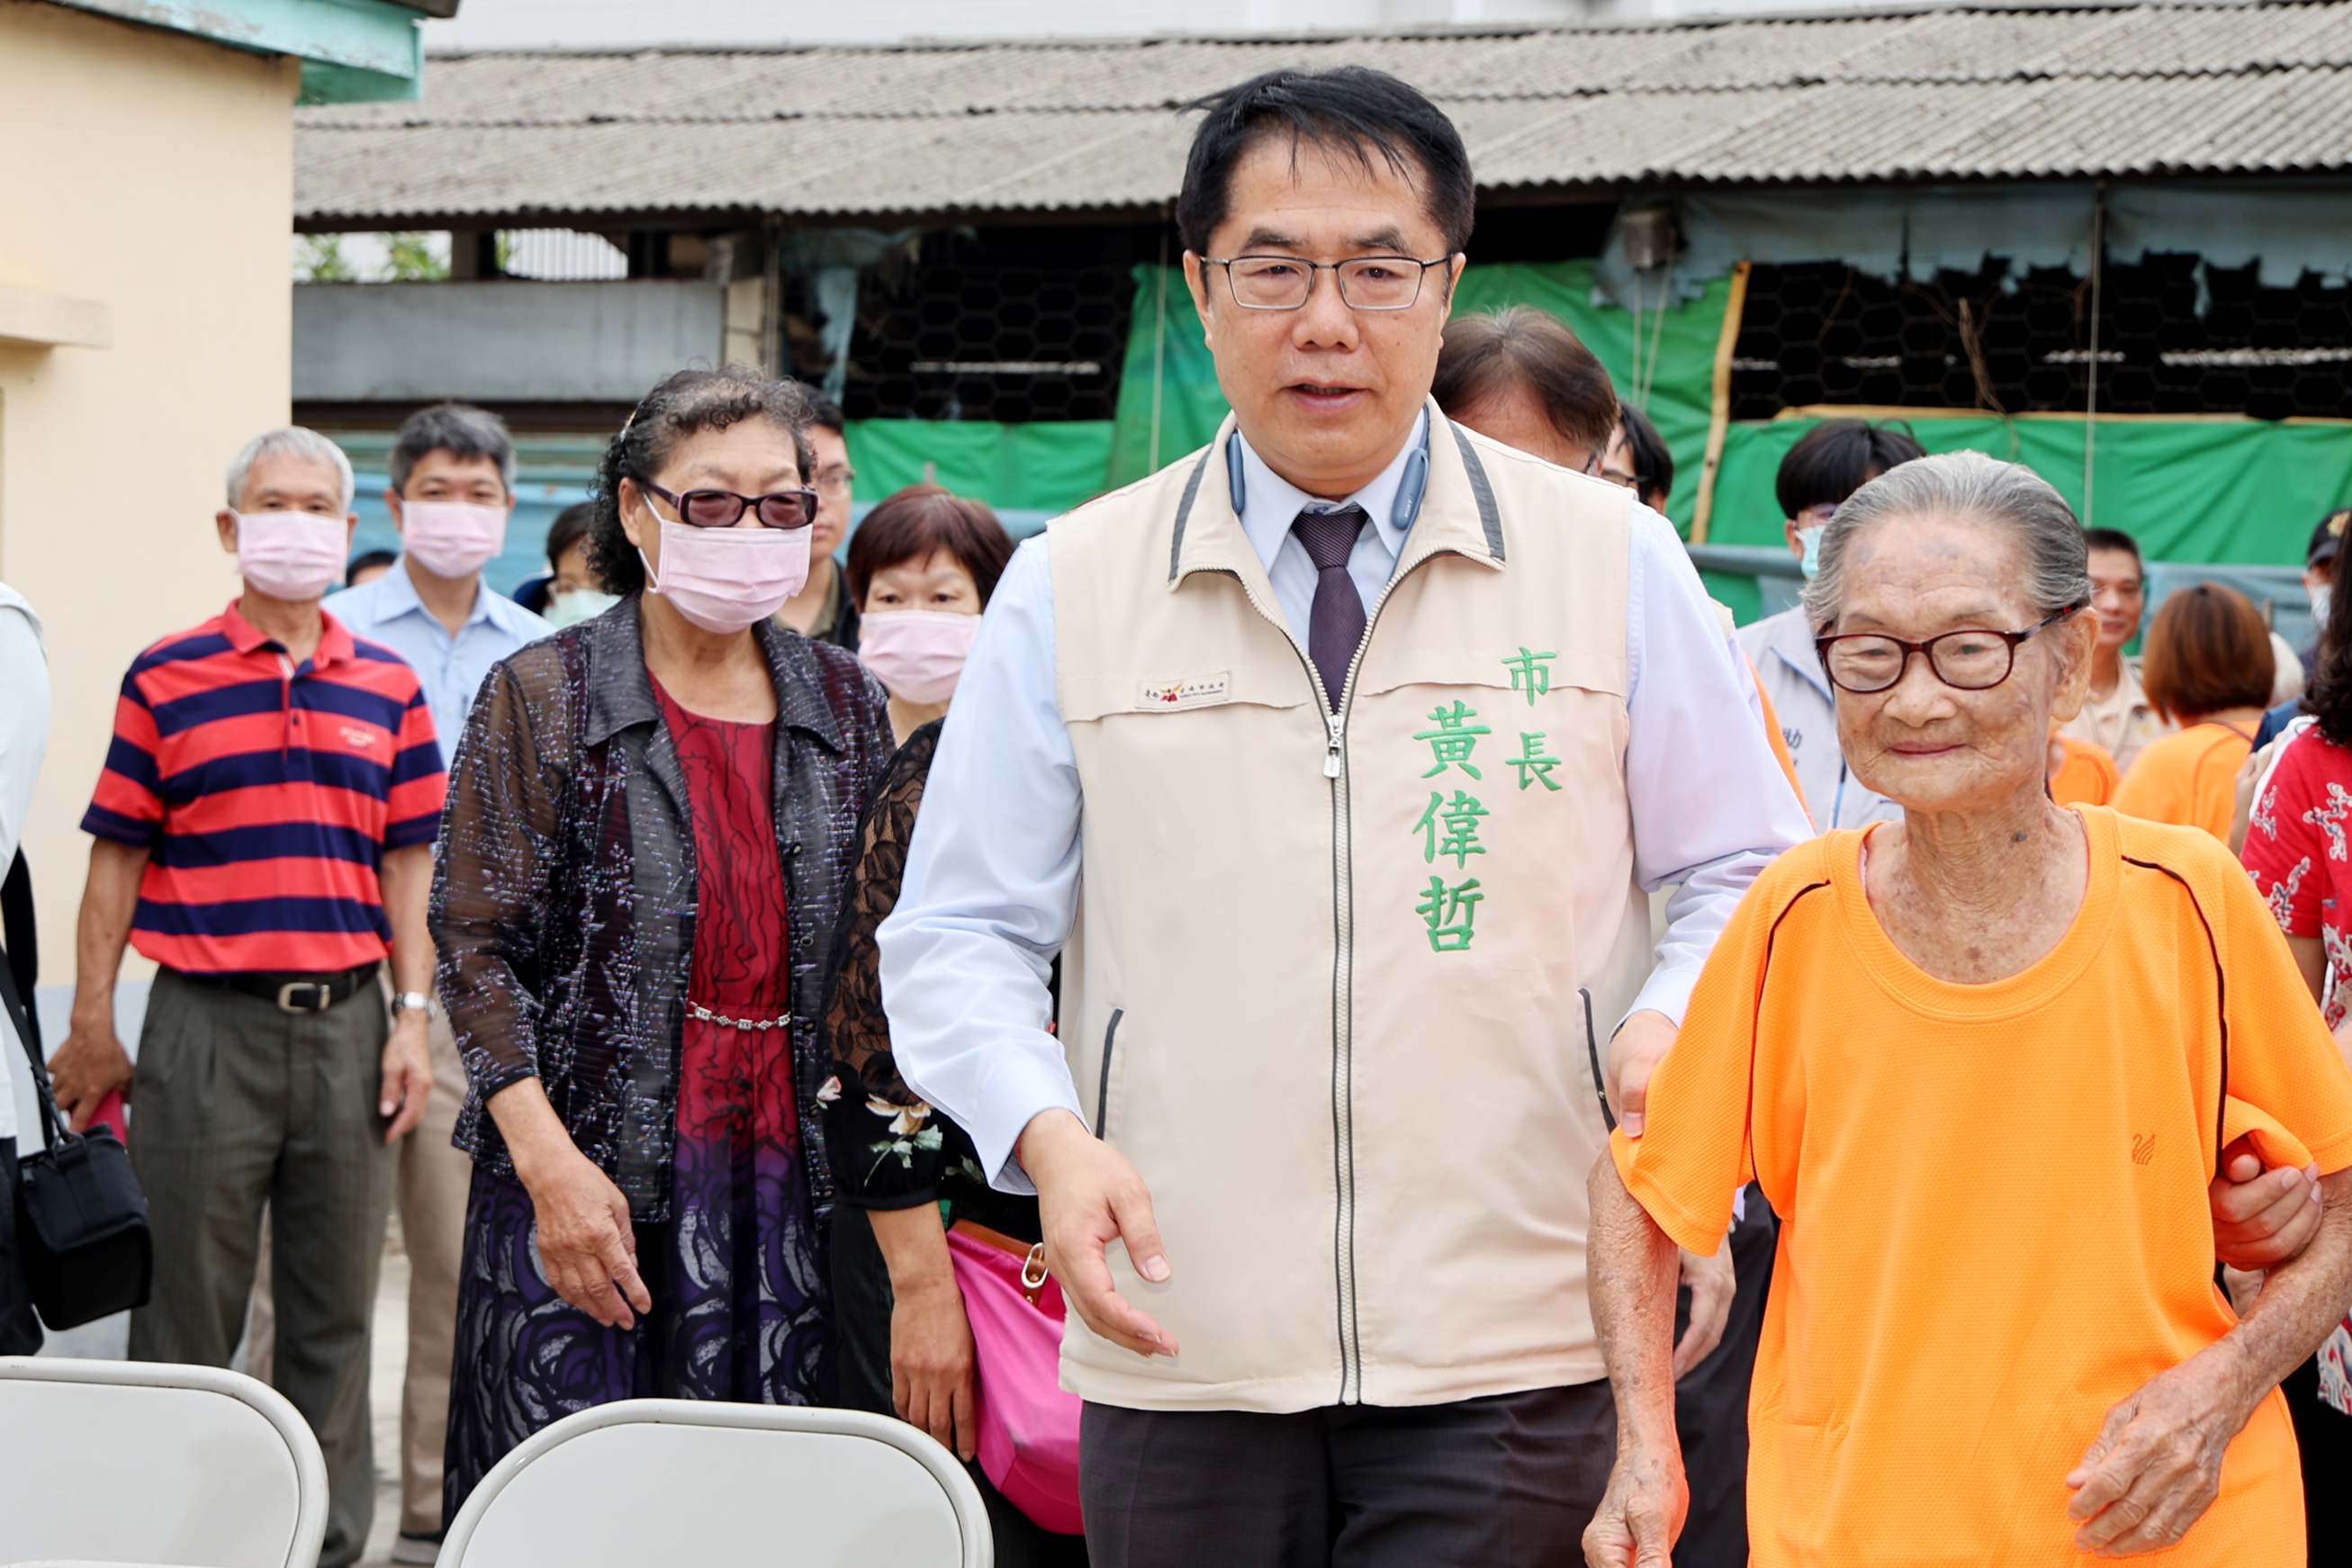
(1336, 624)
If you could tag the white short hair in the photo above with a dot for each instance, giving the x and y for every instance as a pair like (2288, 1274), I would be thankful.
(289, 441)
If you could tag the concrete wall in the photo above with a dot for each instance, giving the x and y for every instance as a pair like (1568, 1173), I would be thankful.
(151, 173)
(507, 341)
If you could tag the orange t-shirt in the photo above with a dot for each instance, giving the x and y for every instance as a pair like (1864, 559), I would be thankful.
(1994, 1222)
(2087, 776)
(2190, 778)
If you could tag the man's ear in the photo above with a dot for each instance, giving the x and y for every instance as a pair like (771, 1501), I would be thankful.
(1196, 278)
(392, 504)
(225, 521)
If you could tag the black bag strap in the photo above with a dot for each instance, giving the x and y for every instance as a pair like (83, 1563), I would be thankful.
(58, 1134)
(20, 935)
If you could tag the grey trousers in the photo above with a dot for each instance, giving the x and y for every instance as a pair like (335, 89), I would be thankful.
(237, 1101)
(1505, 1482)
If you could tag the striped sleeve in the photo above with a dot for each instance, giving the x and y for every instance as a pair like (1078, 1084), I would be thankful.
(127, 808)
(419, 781)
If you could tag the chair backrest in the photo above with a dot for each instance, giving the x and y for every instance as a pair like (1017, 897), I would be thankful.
(144, 1462)
(673, 1480)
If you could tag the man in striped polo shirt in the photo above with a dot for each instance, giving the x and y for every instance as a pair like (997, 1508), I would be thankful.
(264, 832)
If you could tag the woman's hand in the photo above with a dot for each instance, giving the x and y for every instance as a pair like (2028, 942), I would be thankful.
(931, 1367)
(2155, 1466)
(587, 1247)
(932, 1360)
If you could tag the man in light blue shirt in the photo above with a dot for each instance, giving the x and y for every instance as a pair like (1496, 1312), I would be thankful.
(452, 473)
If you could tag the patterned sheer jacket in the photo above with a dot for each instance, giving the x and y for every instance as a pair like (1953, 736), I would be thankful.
(564, 898)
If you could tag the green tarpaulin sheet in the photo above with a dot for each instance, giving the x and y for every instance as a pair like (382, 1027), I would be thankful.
(1169, 373)
(2243, 491)
(1027, 472)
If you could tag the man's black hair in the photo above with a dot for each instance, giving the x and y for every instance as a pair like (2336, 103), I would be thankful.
(1653, 465)
(2110, 539)
(367, 558)
(1348, 109)
(459, 429)
(1838, 458)
(824, 411)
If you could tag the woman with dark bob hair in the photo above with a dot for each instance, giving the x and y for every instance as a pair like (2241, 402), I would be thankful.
(647, 840)
(2207, 669)
(922, 568)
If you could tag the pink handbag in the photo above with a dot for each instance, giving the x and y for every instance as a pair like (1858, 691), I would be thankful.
(1028, 1427)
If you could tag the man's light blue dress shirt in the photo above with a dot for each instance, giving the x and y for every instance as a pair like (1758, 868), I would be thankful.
(450, 668)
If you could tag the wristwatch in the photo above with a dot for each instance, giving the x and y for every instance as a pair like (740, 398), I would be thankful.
(412, 1001)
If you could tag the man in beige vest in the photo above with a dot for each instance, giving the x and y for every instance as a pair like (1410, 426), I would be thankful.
(1365, 736)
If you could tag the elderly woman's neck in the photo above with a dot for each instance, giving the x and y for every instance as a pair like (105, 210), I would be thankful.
(1977, 896)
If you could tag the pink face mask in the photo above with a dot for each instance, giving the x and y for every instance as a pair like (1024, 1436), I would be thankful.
(725, 579)
(293, 556)
(451, 539)
(917, 653)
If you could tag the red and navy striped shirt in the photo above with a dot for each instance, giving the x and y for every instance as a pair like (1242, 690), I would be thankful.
(266, 793)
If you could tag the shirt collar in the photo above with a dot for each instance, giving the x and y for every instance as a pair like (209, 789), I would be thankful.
(396, 595)
(334, 642)
(1271, 503)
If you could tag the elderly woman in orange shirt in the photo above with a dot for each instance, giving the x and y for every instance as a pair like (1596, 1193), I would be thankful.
(1984, 1062)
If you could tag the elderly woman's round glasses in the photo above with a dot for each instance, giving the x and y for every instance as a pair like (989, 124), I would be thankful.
(1366, 282)
(725, 509)
(1966, 660)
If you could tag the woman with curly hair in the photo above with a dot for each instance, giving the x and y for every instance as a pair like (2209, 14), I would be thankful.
(646, 849)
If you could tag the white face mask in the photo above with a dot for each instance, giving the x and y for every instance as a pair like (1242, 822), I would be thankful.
(292, 555)
(451, 539)
(2321, 597)
(569, 609)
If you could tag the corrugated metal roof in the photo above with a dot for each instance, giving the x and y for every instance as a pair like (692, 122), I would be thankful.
(1950, 93)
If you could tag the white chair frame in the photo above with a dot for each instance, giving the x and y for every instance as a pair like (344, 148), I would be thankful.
(309, 1468)
(963, 1496)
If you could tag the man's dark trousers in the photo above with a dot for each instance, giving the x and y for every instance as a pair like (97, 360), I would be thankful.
(1503, 1482)
(237, 1101)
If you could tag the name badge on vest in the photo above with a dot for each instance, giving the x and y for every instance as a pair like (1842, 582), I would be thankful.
(1200, 691)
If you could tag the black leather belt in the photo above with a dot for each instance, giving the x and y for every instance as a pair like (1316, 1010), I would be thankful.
(292, 992)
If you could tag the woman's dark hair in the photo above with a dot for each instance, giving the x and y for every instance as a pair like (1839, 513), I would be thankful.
(683, 405)
(570, 526)
(1349, 109)
(1653, 465)
(921, 519)
(2112, 538)
(2208, 652)
(1495, 353)
(1833, 461)
(367, 558)
(2330, 697)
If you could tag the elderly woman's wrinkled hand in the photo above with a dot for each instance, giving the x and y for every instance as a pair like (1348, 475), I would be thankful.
(1642, 1513)
(587, 1243)
(2155, 1466)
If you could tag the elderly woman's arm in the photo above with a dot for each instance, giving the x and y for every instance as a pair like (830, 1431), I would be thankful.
(501, 842)
(2155, 1466)
(1633, 1284)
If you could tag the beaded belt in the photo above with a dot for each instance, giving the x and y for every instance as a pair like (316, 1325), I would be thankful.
(697, 1011)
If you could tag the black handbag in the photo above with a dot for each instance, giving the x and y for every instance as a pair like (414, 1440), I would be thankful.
(82, 1220)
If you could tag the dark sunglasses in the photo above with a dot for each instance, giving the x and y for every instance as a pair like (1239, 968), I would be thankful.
(725, 509)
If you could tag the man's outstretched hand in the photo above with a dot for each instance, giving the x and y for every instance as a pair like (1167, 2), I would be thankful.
(1087, 1195)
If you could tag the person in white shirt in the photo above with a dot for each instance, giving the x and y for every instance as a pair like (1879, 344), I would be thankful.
(1828, 464)
(452, 471)
(23, 741)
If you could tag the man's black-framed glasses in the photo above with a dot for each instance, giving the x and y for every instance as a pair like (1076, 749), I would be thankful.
(1971, 659)
(1366, 282)
(725, 509)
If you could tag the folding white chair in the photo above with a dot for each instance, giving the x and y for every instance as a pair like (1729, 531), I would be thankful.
(675, 1480)
(140, 1462)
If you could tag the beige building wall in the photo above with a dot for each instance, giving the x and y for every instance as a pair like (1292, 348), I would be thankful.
(151, 173)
